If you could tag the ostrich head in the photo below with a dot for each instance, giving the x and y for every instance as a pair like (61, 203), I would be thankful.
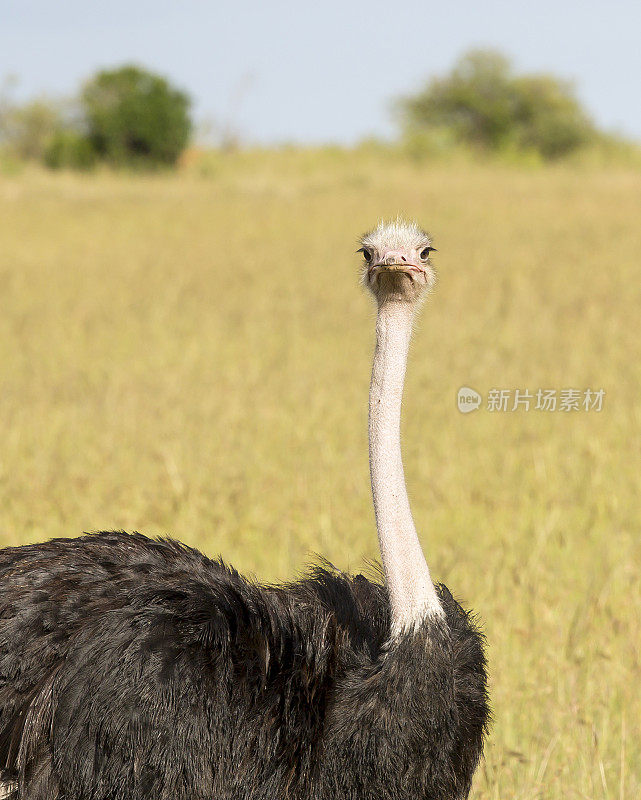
(397, 261)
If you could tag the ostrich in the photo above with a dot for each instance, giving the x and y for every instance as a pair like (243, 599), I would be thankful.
(134, 668)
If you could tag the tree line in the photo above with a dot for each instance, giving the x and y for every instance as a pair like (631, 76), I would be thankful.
(125, 117)
(131, 117)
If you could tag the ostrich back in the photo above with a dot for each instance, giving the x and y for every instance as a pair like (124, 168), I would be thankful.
(139, 669)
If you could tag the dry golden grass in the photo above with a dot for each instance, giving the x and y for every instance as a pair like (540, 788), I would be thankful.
(190, 355)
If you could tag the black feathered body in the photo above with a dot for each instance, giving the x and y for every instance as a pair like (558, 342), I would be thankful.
(139, 669)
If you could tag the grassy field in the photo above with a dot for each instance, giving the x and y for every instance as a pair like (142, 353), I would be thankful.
(190, 355)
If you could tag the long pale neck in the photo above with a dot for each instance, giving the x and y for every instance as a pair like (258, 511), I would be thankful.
(411, 591)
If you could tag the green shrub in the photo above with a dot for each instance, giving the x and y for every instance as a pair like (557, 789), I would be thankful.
(481, 102)
(27, 129)
(70, 149)
(548, 118)
(135, 117)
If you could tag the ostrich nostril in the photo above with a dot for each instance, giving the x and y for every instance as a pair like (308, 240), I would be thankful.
(394, 257)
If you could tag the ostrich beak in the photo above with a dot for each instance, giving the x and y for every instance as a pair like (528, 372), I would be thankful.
(396, 266)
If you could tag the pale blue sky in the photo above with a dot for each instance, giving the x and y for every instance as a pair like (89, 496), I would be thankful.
(323, 71)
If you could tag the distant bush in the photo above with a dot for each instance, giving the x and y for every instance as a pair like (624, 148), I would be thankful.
(481, 102)
(69, 149)
(27, 129)
(135, 117)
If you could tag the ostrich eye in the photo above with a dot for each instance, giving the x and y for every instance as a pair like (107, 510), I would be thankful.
(367, 254)
(425, 253)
